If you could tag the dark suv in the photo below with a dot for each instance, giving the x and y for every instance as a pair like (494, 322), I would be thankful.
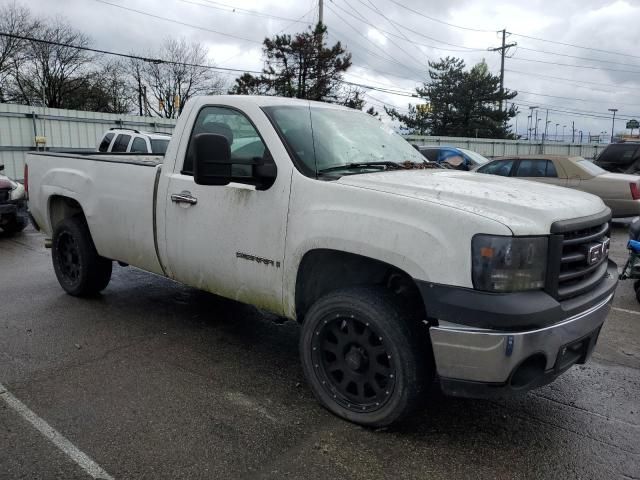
(620, 158)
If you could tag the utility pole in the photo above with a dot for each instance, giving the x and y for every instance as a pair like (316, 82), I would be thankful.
(573, 131)
(613, 122)
(546, 127)
(535, 135)
(320, 11)
(503, 51)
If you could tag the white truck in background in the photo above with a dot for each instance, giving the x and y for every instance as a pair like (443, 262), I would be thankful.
(318, 213)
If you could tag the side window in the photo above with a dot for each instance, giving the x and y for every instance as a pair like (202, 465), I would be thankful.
(430, 154)
(498, 167)
(551, 170)
(121, 143)
(139, 145)
(106, 141)
(532, 168)
(245, 142)
(618, 154)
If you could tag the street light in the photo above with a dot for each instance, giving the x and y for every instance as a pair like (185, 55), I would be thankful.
(546, 129)
(538, 120)
(531, 109)
(613, 121)
(563, 127)
(529, 127)
(580, 136)
(556, 135)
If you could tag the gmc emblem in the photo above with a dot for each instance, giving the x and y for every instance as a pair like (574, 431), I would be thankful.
(597, 251)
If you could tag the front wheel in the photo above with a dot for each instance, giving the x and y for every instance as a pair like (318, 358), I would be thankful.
(79, 268)
(364, 356)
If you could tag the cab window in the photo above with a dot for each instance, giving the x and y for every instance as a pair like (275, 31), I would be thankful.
(121, 143)
(139, 146)
(498, 167)
(536, 168)
(244, 141)
(106, 141)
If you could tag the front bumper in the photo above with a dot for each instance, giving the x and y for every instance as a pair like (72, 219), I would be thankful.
(479, 361)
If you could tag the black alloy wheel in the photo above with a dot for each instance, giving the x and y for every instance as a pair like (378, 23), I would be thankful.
(353, 363)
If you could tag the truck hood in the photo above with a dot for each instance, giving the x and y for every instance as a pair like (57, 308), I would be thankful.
(527, 208)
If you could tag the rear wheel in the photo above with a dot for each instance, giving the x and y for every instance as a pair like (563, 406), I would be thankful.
(79, 268)
(364, 357)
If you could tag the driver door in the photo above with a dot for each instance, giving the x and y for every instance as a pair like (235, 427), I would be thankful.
(230, 239)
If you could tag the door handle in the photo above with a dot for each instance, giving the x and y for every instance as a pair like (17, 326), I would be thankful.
(184, 197)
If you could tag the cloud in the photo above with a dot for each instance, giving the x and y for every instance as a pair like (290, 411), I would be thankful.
(391, 45)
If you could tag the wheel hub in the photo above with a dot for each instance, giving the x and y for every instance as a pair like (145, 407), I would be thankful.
(353, 364)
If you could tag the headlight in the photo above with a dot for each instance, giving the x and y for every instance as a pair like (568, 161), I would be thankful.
(508, 264)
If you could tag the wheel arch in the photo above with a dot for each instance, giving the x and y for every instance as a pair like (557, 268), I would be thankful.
(60, 207)
(323, 270)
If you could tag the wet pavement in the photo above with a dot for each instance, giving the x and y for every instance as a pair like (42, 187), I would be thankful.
(156, 380)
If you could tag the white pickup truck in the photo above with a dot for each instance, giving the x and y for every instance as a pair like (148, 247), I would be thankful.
(318, 213)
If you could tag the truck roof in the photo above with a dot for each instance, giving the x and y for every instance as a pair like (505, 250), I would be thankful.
(266, 101)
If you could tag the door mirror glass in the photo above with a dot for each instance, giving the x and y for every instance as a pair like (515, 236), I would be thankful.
(212, 162)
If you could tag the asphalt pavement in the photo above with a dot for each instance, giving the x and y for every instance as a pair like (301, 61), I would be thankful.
(156, 380)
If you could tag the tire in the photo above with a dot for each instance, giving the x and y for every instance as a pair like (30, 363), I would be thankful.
(15, 225)
(365, 358)
(638, 294)
(79, 268)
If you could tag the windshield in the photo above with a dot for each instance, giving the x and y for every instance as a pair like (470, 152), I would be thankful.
(333, 139)
(475, 157)
(159, 147)
(591, 167)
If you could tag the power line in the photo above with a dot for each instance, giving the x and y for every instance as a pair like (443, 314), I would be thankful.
(466, 49)
(394, 43)
(573, 98)
(233, 9)
(389, 59)
(571, 81)
(610, 52)
(433, 19)
(588, 67)
(124, 55)
(171, 62)
(172, 20)
(520, 47)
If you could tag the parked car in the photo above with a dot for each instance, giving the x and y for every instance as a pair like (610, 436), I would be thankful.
(620, 158)
(620, 192)
(122, 140)
(458, 158)
(395, 274)
(13, 214)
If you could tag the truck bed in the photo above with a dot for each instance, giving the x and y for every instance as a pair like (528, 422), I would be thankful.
(117, 194)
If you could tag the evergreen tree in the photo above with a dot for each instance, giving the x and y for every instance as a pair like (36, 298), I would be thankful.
(461, 103)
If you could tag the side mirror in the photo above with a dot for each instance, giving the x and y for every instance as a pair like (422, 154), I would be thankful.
(212, 161)
(1, 167)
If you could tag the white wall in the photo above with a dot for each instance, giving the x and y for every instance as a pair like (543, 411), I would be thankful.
(496, 148)
(63, 129)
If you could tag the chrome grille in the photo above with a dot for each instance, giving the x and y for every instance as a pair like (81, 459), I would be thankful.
(583, 260)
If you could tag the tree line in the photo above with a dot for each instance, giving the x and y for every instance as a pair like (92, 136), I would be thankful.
(47, 72)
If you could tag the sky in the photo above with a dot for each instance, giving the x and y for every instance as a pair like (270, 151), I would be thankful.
(392, 40)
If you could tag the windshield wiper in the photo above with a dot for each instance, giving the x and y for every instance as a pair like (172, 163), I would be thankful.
(348, 166)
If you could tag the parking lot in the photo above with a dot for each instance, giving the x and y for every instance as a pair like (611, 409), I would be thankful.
(156, 380)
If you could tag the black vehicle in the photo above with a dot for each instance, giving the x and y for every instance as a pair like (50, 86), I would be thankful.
(13, 212)
(620, 158)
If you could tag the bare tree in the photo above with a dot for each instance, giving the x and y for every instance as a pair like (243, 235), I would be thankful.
(48, 74)
(14, 20)
(184, 74)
